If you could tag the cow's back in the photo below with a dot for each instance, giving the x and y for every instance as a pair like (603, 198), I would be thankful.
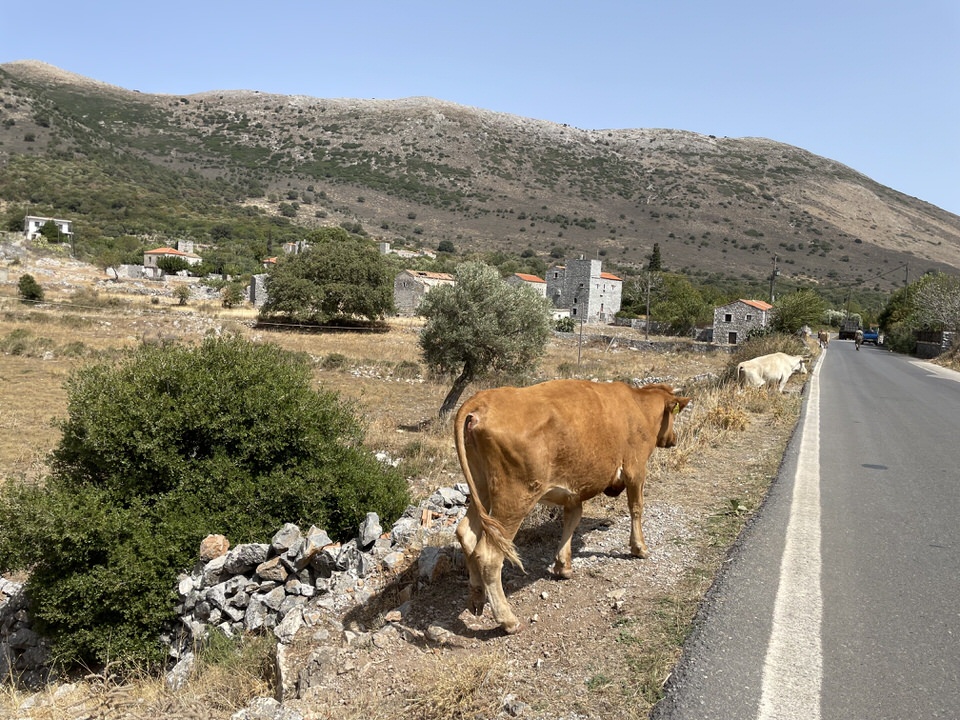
(561, 432)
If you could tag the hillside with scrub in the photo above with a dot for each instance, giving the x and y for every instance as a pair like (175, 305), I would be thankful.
(242, 172)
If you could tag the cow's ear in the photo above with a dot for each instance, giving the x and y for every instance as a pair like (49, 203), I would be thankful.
(679, 404)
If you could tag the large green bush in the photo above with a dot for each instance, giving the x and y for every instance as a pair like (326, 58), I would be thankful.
(161, 448)
(338, 277)
(792, 311)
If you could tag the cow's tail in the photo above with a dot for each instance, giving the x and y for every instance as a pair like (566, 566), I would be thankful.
(493, 528)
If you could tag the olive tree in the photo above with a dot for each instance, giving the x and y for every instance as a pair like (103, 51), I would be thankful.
(481, 326)
(936, 303)
(792, 311)
(679, 304)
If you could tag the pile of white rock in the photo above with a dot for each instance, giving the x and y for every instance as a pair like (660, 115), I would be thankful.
(299, 578)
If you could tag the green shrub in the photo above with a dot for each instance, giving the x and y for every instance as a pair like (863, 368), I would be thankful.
(76, 348)
(13, 338)
(172, 265)
(406, 370)
(29, 289)
(231, 295)
(565, 324)
(23, 342)
(160, 448)
(335, 361)
(90, 298)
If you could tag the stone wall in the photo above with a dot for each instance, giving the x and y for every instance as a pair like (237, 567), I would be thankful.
(300, 579)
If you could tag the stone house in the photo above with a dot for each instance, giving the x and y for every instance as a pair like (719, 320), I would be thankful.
(538, 284)
(410, 286)
(582, 287)
(734, 321)
(33, 223)
(386, 249)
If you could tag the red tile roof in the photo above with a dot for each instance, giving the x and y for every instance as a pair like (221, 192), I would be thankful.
(758, 304)
(529, 278)
(169, 251)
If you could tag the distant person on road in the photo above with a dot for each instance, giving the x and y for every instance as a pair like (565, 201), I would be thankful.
(858, 338)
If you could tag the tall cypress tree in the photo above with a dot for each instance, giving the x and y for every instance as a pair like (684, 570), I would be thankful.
(655, 263)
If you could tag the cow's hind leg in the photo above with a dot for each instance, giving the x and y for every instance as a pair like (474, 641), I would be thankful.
(468, 533)
(563, 567)
(490, 565)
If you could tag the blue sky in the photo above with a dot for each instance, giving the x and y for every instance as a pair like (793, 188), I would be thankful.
(872, 84)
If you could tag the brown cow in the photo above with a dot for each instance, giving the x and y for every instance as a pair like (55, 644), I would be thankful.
(560, 442)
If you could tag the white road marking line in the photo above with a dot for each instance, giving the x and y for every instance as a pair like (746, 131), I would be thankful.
(793, 668)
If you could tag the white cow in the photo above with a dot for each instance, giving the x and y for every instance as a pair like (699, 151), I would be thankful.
(773, 368)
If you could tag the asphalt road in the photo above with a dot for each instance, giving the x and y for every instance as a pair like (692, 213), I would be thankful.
(841, 600)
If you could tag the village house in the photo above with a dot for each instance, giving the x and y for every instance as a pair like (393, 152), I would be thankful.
(151, 258)
(581, 286)
(386, 249)
(733, 322)
(296, 247)
(537, 284)
(33, 223)
(410, 287)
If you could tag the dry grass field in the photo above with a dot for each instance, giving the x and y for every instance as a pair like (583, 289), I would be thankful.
(597, 646)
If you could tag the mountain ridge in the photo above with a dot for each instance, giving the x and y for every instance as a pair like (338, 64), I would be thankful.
(418, 171)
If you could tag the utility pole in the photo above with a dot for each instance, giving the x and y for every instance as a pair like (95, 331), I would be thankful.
(580, 341)
(646, 320)
(773, 280)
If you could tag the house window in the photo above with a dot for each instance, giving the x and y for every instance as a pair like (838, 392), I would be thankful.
(749, 317)
(728, 317)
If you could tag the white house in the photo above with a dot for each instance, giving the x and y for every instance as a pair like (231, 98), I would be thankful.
(151, 257)
(33, 223)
